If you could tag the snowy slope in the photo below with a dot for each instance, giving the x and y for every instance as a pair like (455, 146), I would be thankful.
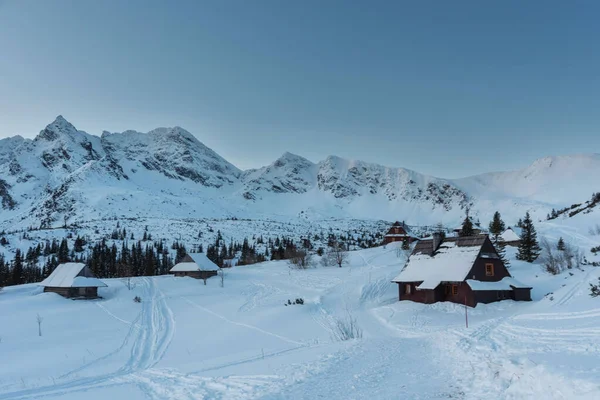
(240, 341)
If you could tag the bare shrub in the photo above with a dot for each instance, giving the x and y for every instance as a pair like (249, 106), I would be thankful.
(137, 299)
(347, 328)
(556, 261)
(335, 255)
(300, 259)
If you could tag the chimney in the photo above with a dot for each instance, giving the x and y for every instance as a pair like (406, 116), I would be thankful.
(437, 240)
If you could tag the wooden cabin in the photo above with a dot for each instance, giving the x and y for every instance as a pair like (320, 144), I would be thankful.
(73, 280)
(465, 270)
(195, 265)
(511, 236)
(399, 232)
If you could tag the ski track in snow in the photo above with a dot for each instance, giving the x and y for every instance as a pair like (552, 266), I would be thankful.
(497, 353)
(285, 339)
(150, 342)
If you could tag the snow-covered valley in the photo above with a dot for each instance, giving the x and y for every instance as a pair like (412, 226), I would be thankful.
(240, 341)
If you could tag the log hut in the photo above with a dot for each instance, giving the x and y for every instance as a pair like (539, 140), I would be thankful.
(195, 265)
(73, 280)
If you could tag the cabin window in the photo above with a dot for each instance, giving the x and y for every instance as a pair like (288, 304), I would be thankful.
(489, 269)
(81, 291)
(454, 290)
(407, 288)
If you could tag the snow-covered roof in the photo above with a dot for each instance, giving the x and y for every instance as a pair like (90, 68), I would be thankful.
(450, 263)
(507, 283)
(511, 234)
(67, 275)
(185, 267)
(195, 262)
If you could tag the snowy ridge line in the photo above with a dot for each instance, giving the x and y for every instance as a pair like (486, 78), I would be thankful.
(285, 339)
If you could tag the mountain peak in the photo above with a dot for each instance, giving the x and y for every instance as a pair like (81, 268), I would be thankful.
(291, 157)
(54, 129)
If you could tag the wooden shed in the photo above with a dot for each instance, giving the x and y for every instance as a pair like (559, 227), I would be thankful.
(195, 265)
(73, 280)
(465, 270)
(511, 236)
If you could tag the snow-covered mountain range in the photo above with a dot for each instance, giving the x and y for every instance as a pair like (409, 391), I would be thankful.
(65, 173)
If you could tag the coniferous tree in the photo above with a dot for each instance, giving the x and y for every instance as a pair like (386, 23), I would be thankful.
(561, 244)
(529, 249)
(63, 252)
(17, 269)
(4, 272)
(467, 227)
(497, 226)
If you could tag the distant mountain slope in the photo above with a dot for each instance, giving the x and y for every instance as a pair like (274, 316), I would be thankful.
(65, 173)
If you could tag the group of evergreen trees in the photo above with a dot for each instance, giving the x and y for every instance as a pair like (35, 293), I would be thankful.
(529, 248)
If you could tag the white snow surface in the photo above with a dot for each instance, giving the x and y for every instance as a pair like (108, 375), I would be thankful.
(190, 341)
(203, 262)
(511, 234)
(451, 263)
(65, 276)
(506, 283)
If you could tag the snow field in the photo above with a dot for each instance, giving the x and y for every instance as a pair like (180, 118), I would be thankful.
(186, 340)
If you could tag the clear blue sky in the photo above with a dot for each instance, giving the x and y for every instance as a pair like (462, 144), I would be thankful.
(449, 88)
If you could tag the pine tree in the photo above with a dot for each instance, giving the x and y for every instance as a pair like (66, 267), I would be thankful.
(467, 227)
(561, 244)
(529, 249)
(497, 226)
(405, 245)
(17, 269)
(63, 251)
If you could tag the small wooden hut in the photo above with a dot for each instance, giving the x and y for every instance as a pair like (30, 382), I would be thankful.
(399, 232)
(73, 280)
(195, 265)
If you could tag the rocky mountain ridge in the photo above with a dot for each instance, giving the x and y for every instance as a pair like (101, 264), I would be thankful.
(68, 174)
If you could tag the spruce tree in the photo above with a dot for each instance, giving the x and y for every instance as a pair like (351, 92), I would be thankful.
(561, 244)
(497, 226)
(529, 249)
(17, 269)
(467, 227)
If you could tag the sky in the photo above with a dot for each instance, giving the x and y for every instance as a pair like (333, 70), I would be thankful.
(449, 89)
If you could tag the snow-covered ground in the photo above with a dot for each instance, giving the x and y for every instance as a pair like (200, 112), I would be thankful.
(190, 341)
